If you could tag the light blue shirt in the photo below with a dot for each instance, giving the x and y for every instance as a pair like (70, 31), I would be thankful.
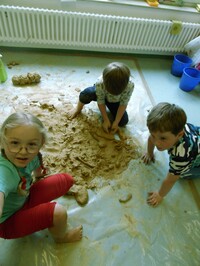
(9, 182)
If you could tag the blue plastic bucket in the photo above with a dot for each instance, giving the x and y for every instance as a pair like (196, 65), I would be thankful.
(180, 62)
(190, 79)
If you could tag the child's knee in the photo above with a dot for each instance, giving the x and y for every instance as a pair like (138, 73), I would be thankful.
(62, 182)
(67, 179)
(124, 121)
(88, 95)
(60, 214)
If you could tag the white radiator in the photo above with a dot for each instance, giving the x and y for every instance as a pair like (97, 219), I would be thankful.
(42, 28)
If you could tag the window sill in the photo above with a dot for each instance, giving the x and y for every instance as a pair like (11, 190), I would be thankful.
(142, 4)
(139, 9)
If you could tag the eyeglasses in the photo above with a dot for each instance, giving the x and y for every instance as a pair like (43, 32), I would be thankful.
(15, 146)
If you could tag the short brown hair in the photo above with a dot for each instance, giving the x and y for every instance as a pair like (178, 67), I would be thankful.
(116, 77)
(166, 117)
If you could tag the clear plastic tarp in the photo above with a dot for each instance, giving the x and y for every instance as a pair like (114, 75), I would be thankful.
(115, 233)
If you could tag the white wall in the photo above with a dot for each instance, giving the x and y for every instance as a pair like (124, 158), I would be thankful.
(144, 11)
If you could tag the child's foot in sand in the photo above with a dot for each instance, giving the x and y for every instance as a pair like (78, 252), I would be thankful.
(72, 235)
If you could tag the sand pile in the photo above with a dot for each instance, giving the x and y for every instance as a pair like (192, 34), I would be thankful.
(81, 147)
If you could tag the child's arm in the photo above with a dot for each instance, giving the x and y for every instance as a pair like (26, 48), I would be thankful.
(106, 121)
(120, 113)
(1, 202)
(149, 155)
(155, 198)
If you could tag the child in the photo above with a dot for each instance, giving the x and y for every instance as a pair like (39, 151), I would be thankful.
(113, 90)
(26, 207)
(169, 131)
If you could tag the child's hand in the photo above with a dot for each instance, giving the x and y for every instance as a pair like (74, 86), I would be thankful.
(147, 158)
(106, 126)
(41, 173)
(154, 199)
(114, 128)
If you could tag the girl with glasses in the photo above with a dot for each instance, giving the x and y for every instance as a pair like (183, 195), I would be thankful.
(27, 207)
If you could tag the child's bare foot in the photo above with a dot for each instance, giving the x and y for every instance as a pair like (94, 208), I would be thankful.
(72, 235)
(73, 113)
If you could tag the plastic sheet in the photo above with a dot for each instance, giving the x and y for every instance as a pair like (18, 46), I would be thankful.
(193, 50)
(115, 233)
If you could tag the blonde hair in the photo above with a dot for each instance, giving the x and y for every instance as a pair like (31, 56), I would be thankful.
(19, 119)
(166, 117)
(116, 77)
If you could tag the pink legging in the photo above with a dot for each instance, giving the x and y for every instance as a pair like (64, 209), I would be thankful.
(37, 212)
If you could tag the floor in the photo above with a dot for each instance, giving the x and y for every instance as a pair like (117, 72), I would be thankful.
(165, 87)
(115, 233)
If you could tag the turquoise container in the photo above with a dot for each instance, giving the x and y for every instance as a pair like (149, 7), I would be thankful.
(190, 79)
(180, 62)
